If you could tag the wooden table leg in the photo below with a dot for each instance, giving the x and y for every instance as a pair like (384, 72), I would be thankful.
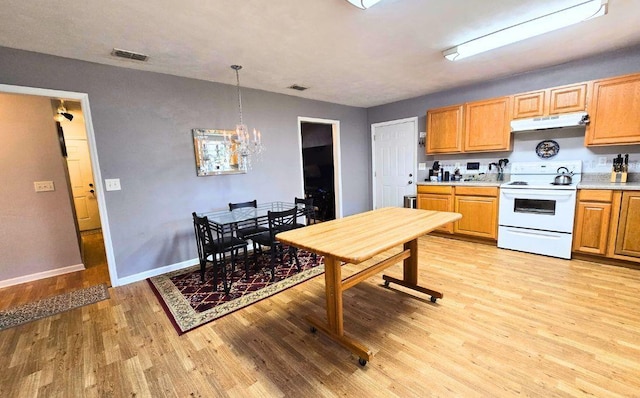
(334, 328)
(410, 273)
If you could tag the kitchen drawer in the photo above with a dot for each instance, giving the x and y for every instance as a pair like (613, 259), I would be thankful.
(439, 189)
(477, 191)
(595, 195)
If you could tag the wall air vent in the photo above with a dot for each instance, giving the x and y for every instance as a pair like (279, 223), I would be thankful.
(129, 55)
(296, 87)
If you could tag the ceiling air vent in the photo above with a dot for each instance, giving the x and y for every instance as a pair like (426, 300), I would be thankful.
(129, 55)
(296, 87)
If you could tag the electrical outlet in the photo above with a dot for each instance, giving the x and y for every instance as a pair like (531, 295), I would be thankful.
(602, 161)
(43, 186)
(112, 184)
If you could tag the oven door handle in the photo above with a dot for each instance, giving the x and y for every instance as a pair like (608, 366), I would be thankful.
(522, 193)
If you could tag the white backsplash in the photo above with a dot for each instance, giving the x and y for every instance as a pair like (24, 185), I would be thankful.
(570, 140)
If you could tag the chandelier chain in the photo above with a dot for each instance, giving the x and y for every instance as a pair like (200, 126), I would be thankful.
(237, 68)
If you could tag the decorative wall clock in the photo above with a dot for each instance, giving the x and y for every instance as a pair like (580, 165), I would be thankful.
(547, 149)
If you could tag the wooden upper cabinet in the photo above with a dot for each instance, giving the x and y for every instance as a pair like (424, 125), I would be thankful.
(552, 101)
(529, 104)
(444, 130)
(487, 125)
(568, 99)
(614, 111)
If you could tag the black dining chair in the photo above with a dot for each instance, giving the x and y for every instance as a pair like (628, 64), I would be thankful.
(279, 221)
(245, 229)
(213, 240)
(309, 213)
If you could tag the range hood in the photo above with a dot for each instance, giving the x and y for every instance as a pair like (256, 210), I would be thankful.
(551, 122)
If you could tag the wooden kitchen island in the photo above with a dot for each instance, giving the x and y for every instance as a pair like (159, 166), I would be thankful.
(356, 239)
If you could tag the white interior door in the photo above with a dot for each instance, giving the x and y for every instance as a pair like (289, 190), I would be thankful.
(394, 161)
(82, 185)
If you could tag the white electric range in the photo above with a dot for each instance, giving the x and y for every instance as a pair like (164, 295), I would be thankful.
(535, 215)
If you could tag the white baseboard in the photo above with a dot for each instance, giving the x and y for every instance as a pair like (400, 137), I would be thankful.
(156, 271)
(41, 275)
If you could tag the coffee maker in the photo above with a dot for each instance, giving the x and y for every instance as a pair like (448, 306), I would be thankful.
(435, 171)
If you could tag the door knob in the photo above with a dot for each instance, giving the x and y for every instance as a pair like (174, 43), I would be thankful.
(92, 191)
(410, 182)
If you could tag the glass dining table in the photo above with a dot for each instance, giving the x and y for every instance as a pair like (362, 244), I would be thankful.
(231, 219)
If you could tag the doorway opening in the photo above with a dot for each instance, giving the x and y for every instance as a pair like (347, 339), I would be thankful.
(320, 150)
(96, 237)
(74, 146)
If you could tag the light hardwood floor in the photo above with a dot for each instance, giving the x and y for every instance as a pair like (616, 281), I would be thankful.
(510, 324)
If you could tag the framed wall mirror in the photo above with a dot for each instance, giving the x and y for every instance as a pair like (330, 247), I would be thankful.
(216, 153)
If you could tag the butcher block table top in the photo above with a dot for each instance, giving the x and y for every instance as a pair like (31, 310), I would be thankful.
(359, 237)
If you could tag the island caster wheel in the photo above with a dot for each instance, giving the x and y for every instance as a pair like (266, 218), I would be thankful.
(386, 283)
(313, 329)
(433, 299)
(362, 362)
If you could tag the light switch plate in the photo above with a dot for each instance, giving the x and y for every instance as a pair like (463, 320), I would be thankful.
(112, 184)
(422, 166)
(43, 186)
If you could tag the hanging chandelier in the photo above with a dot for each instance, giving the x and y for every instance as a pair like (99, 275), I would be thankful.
(243, 143)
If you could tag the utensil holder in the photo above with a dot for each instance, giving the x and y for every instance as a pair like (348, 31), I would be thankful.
(618, 176)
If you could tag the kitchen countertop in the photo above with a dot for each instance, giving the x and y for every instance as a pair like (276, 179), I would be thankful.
(589, 181)
(463, 183)
(616, 186)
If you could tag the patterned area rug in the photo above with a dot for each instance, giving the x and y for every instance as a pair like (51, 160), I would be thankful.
(52, 305)
(190, 304)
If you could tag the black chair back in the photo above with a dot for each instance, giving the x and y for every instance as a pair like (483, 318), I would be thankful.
(252, 203)
(204, 237)
(308, 211)
(280, 221)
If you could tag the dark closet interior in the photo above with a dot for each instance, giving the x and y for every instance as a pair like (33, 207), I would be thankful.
(317, 157)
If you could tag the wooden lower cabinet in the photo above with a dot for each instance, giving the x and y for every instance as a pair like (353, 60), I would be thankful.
(478, 206)
(479, 209)
(607, 224)
(593, 215)
(438, 198)
(628, 236)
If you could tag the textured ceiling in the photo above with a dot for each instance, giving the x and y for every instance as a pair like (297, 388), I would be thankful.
(363, 58)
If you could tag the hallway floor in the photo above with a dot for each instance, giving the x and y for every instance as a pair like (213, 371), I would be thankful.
(96, 272)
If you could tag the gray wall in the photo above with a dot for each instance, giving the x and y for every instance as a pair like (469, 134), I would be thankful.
(571, 141)
(143, 123)
(37, 232)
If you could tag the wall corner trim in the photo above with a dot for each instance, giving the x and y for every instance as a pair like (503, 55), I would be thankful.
(156, 271)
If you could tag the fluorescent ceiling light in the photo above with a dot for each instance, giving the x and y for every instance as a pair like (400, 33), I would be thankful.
(364, 4)
(560, 19)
